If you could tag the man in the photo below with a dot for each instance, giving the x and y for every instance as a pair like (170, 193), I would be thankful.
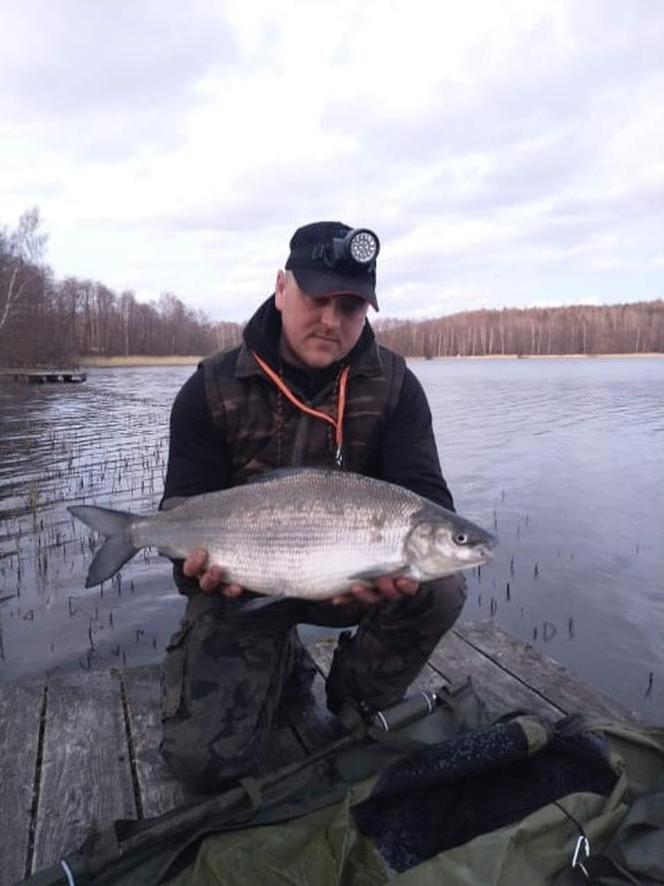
(308, 387)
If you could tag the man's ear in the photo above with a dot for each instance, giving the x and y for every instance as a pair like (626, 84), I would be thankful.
(280, 290)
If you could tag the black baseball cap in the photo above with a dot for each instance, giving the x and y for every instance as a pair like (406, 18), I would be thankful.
(310, 249)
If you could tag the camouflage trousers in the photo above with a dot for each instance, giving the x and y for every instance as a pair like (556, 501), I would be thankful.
(225, 670)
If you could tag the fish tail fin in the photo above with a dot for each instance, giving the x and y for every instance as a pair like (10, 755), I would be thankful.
(118, 546)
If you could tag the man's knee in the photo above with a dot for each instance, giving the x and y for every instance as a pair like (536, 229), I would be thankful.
(221, 685)
(431, 611)
(202, 767)
(218, 732)
(444, 598)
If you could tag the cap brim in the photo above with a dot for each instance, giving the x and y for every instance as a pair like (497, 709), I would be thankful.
(315, 282)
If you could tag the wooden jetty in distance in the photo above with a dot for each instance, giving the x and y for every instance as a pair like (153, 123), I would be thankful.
(44, 376)
(80, 750)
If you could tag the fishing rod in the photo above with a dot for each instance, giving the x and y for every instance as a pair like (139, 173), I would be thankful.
(84, 867)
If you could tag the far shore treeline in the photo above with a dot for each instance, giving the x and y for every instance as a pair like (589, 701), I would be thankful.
(44, 321)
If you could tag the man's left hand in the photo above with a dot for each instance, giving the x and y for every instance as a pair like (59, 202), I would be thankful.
(384, 588)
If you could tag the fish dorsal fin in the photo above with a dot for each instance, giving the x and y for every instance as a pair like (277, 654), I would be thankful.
(282, 473)
(257, 604)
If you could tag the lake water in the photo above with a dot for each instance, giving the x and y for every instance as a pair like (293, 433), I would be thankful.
(564, 459)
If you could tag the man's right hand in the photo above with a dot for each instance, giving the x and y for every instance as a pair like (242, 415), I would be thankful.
(211, 579)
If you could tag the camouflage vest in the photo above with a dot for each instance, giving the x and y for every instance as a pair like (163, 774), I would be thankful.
(264, 431)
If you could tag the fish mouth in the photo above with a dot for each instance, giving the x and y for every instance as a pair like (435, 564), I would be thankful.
(483, 553)
(486, 543)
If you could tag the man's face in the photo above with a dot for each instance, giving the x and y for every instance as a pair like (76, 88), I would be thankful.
(317, 331)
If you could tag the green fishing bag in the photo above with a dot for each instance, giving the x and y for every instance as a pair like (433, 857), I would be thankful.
(609, 837)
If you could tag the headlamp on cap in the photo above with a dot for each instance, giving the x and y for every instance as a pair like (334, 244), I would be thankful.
(359, 247)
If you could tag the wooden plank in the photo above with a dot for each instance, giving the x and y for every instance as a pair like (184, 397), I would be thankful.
(42, 376)
(455, 659)
(550, 679)
(20, 714)
(159, 791)
(428, 679)
(85, 774)
(505, 671)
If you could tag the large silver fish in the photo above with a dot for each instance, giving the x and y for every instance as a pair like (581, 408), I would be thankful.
(306, 533)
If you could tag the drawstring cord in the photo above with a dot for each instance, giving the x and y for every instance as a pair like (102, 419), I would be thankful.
(336, 423)
(69, 874)
(582, 846)
(582, 856)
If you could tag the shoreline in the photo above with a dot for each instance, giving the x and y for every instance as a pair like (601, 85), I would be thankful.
(115, 362)
(650, 355)
(129, 362)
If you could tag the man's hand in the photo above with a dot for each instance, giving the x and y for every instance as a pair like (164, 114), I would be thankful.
(210, 578)
(384, 588)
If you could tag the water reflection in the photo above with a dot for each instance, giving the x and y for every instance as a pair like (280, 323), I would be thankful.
(103, 442)
(563, 459)
(560, 457)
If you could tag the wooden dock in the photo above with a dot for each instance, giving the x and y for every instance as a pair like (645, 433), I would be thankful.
(81, 750)
(44, 376)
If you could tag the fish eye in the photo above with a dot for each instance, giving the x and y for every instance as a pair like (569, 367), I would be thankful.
(461, 538)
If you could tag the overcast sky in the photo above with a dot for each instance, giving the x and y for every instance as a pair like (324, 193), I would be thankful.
(507, 153)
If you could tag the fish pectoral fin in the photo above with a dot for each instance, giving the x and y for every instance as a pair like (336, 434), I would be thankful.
(257, 603)
(370, 575)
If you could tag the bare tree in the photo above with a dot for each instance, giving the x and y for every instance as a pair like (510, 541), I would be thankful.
(23, 261)
(574, 329)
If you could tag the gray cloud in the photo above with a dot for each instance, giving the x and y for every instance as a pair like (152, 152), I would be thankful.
(112, 56)
(576, 99)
